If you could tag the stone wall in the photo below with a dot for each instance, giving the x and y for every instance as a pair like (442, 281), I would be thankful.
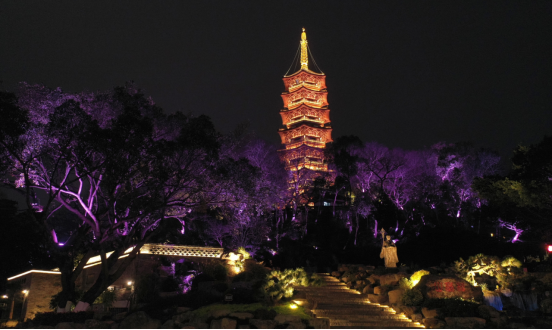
(42, 288)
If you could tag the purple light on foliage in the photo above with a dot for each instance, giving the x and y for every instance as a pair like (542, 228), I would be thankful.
(513, 227)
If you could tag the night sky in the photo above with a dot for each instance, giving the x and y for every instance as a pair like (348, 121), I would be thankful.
(403, 73)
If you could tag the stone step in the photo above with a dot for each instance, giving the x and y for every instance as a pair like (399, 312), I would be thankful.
(378, 324)
(365, 317)
(327, 310)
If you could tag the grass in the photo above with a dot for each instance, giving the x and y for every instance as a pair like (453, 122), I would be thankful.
(236, 308)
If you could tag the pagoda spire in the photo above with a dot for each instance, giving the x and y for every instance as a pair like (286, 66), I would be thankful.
(304, 51)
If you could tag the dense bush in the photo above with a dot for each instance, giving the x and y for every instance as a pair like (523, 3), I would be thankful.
(215, 269)
(107, 298)
(412, 297)
(53, 318)
(280, 283)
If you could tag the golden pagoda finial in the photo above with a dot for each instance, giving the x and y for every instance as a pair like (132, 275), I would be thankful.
(304, 51)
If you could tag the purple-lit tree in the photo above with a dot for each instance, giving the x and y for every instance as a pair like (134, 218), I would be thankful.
(121, 180)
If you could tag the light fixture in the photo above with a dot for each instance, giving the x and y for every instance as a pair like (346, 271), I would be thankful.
(549, 248)
(5, 296)
(293, 306)
(25, 291)
(129, 283)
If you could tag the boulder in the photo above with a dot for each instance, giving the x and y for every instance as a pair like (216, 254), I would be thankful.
(220, 313)
(371, 280)
(263, 324)
(465, 322)
(417, 317)
(487, 312)
(343, 268)
(241, 316)
(281, 319)
(499, 322)
(410, 310)
(66, 325)
(377, 290)
(377, 299)
(350, 285)
(368, 289)
(139, 320)
(336, 274)
(320, 323)
(227, 323)
(391, 279)
(546, 305)
(170, 324)
(296, 325)
(183, 318)
(434, 323)
(369, 269)
(180, 310)
(119, 316)
(395, 296)
(95, 324)
(448, 286)
(436, 313)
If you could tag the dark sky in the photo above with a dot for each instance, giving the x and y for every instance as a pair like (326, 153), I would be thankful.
(403, 73)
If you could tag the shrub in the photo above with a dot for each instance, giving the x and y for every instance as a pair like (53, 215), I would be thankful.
(147, 288)
(417, 276)
(280, 284)
(412, 297)
(215, 269)
(107, 298)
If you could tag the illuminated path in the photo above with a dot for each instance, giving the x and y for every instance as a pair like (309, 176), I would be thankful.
(348, 309)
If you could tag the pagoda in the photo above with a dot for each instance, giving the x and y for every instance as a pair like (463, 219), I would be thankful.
(306, 117)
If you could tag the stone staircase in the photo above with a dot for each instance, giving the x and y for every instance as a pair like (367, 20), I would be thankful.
(348, 309)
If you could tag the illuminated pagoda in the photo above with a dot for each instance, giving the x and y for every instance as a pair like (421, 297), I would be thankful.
(306, 117)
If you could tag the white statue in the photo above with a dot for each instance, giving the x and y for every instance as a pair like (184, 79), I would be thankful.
(388, 251)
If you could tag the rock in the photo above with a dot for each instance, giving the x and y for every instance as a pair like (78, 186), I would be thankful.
(434, 323)
(377, 290)
(375, 277)
(391, 279)
(180, 310)
(546, 306)
(336, 274)
(432, 313)
(368, 289)
(183, 318)
(66, 325)
(320, 323)
(102, 315)
(220, 313)
(487, 312)
(119, 316)
(244, 327)
(377, 299)
(417, 317)
(350, 285)
(465, 322)
(359, 287)
(448, 286)
(196, 325)
(410, 310)
(281, 319)
(44, 327)
(241, 316)
(170, 324)
(227, 323)
(95, 324)
(343, 268)
(263, 324)
(296, 325)
(395, 296)
(115, 325)
(371, 280)
(499, 322)
(139, 320)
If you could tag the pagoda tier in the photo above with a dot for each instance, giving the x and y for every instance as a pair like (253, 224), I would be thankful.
(303, 95)
(305, 132)
(306, 118)
(304, 113)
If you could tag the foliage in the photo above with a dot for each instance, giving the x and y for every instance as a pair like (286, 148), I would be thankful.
(412, 297)
(260, 311)
(454, 307)
(505, 270)
(53, 318)
(280, 283)
(147, 288)
(215, 269)
(107, 298)
(253, 272)
(56, 299)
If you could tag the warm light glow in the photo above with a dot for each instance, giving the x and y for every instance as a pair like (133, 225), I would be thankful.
(33, 271)
(5, 296)
(293, 306)
(549, 248)
(129, 283)
(25, 291)
(415, 282)
(237, 269)
(304, 51)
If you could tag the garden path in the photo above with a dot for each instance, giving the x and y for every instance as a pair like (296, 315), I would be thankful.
(349, 309)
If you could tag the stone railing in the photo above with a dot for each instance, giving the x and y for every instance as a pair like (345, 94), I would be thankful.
(182, 250)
